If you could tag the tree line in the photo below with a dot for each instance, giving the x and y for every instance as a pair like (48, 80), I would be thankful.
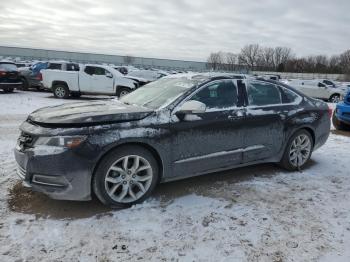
(278, 59)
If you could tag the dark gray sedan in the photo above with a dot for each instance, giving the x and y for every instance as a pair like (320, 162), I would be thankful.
(177, 127)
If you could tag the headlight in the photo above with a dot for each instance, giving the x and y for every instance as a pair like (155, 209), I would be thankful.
(60, 141)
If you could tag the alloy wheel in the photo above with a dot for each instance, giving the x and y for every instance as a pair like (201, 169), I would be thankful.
(60, 91)
(123, 93)
(335, 99)
(300, 150)
(128, 179)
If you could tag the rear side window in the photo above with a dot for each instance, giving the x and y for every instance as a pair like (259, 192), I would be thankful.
(288, 96)
(221, 94)
(54, 66)
(72, 67)
(90, 70)
(261, 94)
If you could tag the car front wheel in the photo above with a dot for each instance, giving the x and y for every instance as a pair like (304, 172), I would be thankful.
(126, 176)
(123, 91)
(334, 98)
(298, 151)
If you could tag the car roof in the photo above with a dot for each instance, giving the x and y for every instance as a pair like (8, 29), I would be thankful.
(6, 62)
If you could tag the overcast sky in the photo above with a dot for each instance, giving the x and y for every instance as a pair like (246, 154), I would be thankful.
(177, 29)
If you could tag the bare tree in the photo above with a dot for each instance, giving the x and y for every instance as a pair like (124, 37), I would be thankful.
(231, 60)
(345, 62)
(281, 56)
(280, 59)
(334, 64)
(215, 61)
(266, 58)
(250, 55)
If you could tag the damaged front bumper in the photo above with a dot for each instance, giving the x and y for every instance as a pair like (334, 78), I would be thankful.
(65, 175)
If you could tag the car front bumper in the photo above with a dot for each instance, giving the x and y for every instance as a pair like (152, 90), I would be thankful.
(63, 175)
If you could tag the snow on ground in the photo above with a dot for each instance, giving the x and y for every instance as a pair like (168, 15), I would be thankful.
(259, 213)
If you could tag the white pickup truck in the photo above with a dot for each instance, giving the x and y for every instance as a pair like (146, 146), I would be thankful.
(89, 79)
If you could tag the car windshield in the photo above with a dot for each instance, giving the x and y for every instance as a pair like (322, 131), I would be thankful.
(159, 93)
(8, 67)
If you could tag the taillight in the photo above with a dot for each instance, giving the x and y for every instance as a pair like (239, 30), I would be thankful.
(330, 111)
(39, 77)
(2, 73)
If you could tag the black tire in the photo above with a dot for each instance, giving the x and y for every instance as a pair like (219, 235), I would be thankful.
(25, 84)
(335, 98)
(122, 91)
(8, 90)
(285, 161)
(103, 170)
(60, 91)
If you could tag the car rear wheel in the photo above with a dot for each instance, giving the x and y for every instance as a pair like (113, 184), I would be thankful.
(126, 176)
(123, 91)
(25, 84)
(334, 98)
(298, 151)
(61, 91)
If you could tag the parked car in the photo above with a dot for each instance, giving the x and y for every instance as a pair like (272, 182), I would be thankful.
(341, 114)
(22, 64)
(122, 69)
(270, 77)
(320, 88)
(148, 75)
(139, 80)
(32, 77)
(9, 77)
(173, 128)
(90, 79)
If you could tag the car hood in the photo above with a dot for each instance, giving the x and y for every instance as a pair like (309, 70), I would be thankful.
(88, 114)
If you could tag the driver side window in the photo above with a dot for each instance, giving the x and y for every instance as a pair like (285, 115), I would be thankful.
(218, 95)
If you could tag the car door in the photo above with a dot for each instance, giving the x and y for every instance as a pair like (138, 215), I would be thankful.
(212, 140)
(102, 81)
(85, 79)
(308, 88)
(324, 91)
(264, 121)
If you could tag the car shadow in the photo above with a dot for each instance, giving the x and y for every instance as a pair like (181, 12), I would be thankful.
(24, 200)
(341, 132)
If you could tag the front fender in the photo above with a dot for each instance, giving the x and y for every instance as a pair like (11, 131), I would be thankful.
(121, 81)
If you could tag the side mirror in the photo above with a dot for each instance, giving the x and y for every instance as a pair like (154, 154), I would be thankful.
(190, 107)
(109, 75)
